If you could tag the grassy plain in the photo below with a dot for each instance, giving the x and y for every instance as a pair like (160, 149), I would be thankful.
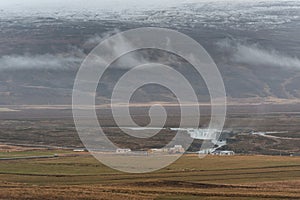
(213, 177)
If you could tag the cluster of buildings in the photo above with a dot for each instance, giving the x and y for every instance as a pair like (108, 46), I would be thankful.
(214, 151)
(172, 150)
(202, 134)
(127, 150)
(223, 153)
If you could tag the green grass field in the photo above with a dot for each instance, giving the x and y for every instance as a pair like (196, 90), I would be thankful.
(213, 177)
(14, 154)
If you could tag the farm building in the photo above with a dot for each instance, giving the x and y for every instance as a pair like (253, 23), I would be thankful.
(163, 150)
(79, 150)
(177, 149)
(223, 153)
(123, 150)
(172, 150)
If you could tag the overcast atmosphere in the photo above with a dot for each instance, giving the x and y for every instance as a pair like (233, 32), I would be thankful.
(149, 99)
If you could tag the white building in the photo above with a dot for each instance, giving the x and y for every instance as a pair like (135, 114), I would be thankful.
(177, 149)
(206, 151)
(163, 150)
(223, 153)
(172, 150)
(123, 150)
(79, 150)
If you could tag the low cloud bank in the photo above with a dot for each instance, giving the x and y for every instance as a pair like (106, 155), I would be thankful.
(234, 51)
(72, 60)
(46, 61)
(253, 54)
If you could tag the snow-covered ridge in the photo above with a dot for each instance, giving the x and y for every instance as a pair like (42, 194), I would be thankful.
(237, 14)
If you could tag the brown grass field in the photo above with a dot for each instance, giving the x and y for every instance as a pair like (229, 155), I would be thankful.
(213, 177)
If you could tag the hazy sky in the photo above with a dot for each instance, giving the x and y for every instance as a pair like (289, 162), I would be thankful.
(83, 4)
(97, 4)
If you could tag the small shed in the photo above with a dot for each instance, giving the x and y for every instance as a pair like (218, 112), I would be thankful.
(123, 150)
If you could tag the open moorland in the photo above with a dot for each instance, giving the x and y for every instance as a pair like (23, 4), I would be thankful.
(37, 160)
(79, 176)
(54, 127)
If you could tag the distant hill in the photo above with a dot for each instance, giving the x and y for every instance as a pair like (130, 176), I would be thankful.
(256, 50)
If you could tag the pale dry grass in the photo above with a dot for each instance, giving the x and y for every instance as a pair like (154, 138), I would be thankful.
(23, 191)
(214, 177)
(11, 148)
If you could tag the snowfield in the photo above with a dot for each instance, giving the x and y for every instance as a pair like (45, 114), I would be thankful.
(235, 14)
